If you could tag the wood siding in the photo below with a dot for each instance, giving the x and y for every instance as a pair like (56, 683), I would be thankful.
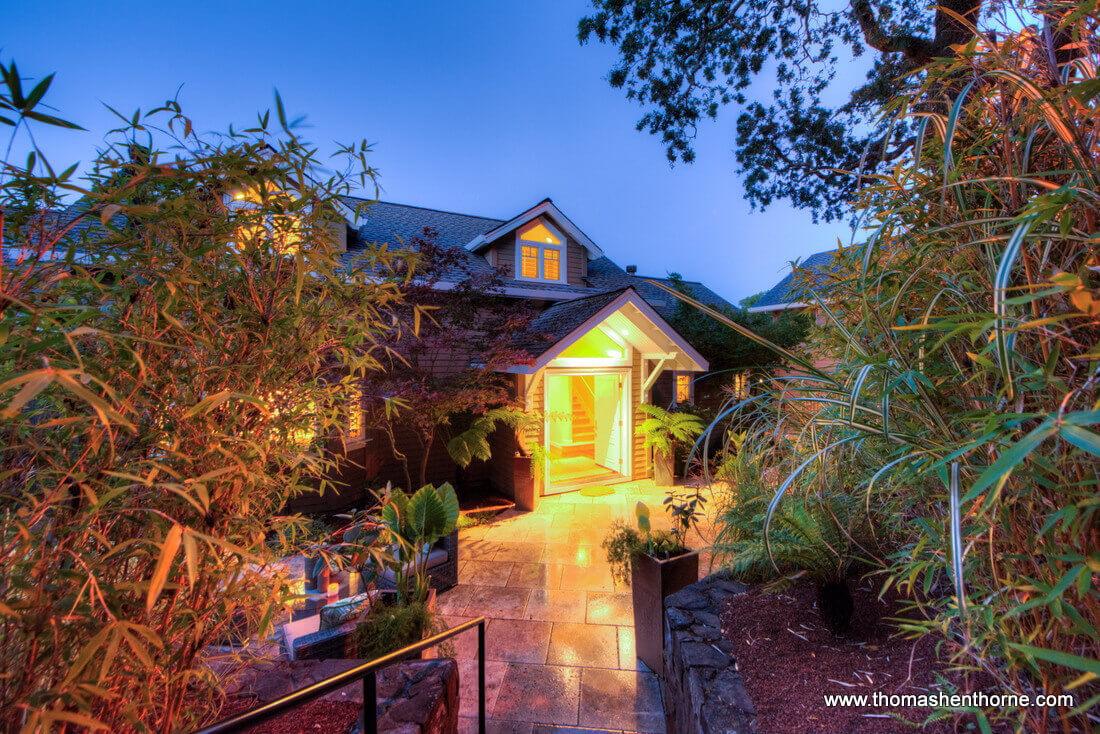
(502, 255)
(576, 263)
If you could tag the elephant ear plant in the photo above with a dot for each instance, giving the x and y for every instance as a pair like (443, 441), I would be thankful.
(414, 524)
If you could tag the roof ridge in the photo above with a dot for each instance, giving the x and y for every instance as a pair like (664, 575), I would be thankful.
(680, 280)
(424, 208)
(594, 295)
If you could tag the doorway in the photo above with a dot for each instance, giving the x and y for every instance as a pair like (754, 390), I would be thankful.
(587, 441)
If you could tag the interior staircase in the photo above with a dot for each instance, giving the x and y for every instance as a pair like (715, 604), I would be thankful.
(584, 431)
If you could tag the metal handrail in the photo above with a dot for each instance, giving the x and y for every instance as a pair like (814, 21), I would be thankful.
(367, 672)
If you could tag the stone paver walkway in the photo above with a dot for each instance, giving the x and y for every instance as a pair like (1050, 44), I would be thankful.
(560, 640)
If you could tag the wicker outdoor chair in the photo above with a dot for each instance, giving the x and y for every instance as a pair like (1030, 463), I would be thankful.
(442, 566)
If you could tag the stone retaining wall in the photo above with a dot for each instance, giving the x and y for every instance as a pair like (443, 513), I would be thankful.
(702, 691)
(414, 697)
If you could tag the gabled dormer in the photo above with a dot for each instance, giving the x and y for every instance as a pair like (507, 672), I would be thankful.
(541, 245)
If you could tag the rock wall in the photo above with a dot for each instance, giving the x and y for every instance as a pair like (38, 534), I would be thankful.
(702, 691)
(414, 697)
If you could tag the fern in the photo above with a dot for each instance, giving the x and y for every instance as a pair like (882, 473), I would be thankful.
(663, 429)
(809, 538)
(473, 443)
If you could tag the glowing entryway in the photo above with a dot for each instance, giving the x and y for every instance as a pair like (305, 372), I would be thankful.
(586, 418)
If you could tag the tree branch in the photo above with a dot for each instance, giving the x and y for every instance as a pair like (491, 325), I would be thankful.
(915, 48)
(949, 31)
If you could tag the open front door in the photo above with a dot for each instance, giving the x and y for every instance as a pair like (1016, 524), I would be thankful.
(608, 409)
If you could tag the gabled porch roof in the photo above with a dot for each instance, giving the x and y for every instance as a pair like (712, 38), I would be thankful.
(622, 313)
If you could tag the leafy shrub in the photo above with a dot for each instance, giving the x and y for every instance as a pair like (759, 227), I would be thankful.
(623, 542)
(412, 525)
(664, 430)
(966, 387)
(177, 347)
(390, 627)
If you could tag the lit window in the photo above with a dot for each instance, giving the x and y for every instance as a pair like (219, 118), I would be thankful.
(530, 258)
(551, 264)
(683, 388)
(540, 251)
(538, 232)
(354, 428)
(741, 385)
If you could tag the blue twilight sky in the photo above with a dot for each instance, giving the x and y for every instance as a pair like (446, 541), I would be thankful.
(481, 107)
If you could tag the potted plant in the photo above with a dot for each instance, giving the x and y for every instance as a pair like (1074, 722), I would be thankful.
(662, 431)
(656, 563)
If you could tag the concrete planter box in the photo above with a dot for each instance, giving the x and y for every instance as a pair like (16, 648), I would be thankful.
(651, 581)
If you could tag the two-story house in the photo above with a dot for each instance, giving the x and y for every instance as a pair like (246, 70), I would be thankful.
(599, 347)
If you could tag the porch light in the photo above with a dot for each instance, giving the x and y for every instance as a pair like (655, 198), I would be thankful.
(333, 589)
(613, 353)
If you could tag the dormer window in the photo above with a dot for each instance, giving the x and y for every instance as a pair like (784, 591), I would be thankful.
(540, 252)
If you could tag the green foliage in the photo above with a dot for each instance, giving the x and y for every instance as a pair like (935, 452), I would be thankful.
(390, 627)
(473, 443)
(728, 352)
(175, 350)
(623, 542)
(413, 525)
(686, 60)
(663, 430)
(965, 403)
(684, 509)
(815, 538)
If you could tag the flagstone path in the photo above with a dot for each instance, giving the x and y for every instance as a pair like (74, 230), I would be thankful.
(560, 639)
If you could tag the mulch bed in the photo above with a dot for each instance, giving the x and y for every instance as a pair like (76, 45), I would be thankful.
(330, 717)
(790, 660)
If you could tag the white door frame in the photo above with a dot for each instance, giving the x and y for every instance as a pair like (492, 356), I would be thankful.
(627, 442)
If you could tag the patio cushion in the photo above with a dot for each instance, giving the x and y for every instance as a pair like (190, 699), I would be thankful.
(298, 629)
(437, 557)
(339, 612)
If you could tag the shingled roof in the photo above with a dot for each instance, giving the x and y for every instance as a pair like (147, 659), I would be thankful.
(397, 225)
(809, 275)
(558, 321)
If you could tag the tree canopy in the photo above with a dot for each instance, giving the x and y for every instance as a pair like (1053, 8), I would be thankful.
(445, 370)
(684, 60)
(726, 350)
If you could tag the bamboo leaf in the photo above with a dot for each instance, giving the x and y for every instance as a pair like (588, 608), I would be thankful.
(1082, 438)
(955, 519)
(1058, 657)
(1001, 283)
(1010, 458)
(164, 565)
(33, 384)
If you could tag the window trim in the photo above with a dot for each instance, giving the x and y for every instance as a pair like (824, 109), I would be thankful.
(562, 250)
